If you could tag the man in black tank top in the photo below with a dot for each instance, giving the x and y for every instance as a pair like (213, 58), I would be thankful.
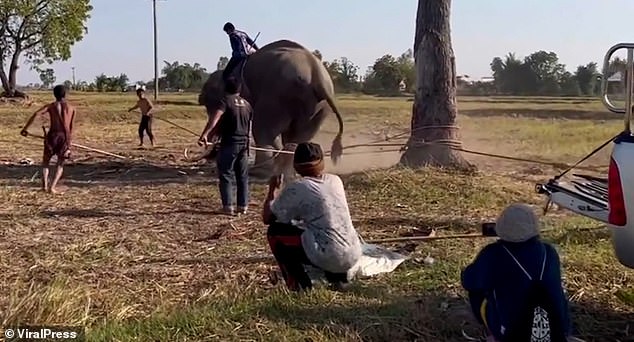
(232, 123)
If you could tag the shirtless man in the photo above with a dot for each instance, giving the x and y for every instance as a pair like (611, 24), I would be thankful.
(146, 116)
(58, 140)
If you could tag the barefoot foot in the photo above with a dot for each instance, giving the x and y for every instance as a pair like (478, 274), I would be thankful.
(58, 189)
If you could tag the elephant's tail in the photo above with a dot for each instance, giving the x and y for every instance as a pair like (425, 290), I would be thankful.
(337, 148)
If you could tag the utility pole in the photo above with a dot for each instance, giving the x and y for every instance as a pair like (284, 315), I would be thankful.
(156, 77)
(74, 84)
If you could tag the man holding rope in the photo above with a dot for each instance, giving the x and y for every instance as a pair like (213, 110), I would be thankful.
(145, 105)
(310, 224)
(232, 122)
(58, 140)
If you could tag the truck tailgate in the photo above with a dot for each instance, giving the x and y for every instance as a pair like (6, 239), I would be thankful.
(584, 195)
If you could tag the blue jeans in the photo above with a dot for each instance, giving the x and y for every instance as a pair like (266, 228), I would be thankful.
(233, 165)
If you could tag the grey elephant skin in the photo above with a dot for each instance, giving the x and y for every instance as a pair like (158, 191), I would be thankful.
(291, 93)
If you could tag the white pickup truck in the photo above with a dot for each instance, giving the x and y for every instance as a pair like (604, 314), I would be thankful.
(610, 200)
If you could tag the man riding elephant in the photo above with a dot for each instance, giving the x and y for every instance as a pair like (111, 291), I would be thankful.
(291, 93)
(241, 47)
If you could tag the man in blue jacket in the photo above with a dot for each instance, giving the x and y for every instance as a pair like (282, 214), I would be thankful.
(241, 47)
(499, 279)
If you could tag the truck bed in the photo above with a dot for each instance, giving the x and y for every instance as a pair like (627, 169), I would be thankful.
(583, 194)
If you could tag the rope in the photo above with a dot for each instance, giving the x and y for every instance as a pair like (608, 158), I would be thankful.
(587, 156)
(373, 143)
(275, 155)
(500, 156)
(177, 126)
(453, 144)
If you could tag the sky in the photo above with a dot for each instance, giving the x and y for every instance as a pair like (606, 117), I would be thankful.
(120, 32)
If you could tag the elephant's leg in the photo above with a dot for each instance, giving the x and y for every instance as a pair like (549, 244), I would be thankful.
(301, 130)
(264, 163)
(305, 130)
(268, 122)
(284, 162)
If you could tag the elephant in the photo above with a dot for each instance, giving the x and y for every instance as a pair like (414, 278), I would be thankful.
(291, 93)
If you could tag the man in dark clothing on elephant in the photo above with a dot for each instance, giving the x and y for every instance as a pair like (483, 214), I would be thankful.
(241, 47)
(232, 123)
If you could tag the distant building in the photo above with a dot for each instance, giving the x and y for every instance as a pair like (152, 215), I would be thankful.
(616, 77)
(616, 83)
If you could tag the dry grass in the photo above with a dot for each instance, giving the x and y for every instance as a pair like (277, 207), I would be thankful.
(134, 251)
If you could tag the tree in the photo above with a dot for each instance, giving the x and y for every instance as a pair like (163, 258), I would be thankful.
(569, 85)
(407, 71)
(68, 84)
(546, 73)
(434, 111)
(101, 83)
(371, 84)
(105, 83)
(184, 76)
(344, 74)
(42, 31)
(587, 76)
(47, 77)
(222, 63)
(82, 86)
(387, 73)
(512, 76)
(537, 74)
(119, 83)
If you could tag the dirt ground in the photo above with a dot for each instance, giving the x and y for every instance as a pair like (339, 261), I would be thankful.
(166, 161)
(365, 158)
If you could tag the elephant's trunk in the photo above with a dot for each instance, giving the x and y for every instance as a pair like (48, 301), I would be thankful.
(337, 148)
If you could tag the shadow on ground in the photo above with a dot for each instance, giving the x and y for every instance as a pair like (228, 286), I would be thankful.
(178, 103)
(113, 173)
(594, 323)
(431, 318)
(102, 173)
(415, 226)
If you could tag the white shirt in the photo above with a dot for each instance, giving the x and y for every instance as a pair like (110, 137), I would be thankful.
(319, 204)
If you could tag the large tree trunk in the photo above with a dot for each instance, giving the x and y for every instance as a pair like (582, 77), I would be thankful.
(434, 111)
(9, 83)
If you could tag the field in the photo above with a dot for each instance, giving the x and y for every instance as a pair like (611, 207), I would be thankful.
(134, 251)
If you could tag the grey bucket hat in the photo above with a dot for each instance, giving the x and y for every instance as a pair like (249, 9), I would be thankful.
(517, 223)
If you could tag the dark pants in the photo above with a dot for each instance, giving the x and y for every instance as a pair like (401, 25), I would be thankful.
(146, 125)
(231, 65)
(233, 164)
(286, 245)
